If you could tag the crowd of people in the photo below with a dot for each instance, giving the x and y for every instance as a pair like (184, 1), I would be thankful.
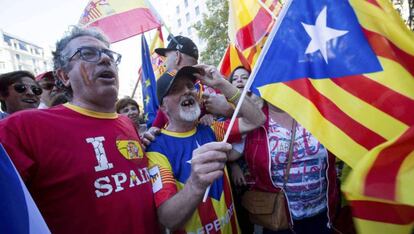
(92, 166)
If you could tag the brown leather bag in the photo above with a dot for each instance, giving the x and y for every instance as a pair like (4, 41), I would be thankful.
(268, 209)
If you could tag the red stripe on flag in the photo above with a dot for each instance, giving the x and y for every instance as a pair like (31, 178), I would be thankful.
(374, 2)
(381, 180)
(250, 34)
(379, 96)
(383, 212)
(206, 212)
(225, 68)
(273, 6)
(229, 202)
(385, 48)
(115, 28)
(252, 53)
(362, 135)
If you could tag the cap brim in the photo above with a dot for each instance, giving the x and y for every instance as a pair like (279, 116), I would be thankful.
(188, 72)
(163, 51)
(44, 75)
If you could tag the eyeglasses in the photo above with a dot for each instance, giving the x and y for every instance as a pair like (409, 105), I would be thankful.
(93, 55)
(21, 88)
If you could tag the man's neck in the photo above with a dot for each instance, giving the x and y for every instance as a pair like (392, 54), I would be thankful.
(103, 107)
(176, 126)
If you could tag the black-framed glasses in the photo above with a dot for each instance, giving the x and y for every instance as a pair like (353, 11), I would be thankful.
(93, 55)
(21, 88)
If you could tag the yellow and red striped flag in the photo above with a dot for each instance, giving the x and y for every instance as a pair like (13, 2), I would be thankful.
(120, 19)
(249, 23)
(345, 71)
(232, 58)
(156, 59)
(380, 187)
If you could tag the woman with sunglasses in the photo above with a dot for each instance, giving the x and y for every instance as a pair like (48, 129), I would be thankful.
(18, 91)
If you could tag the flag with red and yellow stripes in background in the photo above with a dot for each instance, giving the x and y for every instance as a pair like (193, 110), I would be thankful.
(156, 59)
(345, 71)
(120, 19)
(249, 23)
(232, 59)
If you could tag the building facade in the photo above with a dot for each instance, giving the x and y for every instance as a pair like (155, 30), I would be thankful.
(20, 54)
(181, 15)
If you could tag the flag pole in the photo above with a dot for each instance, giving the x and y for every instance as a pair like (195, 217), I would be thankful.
(254, 72)
(251, 79)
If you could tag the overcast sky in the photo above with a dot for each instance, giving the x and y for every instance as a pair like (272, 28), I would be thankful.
(43, 22)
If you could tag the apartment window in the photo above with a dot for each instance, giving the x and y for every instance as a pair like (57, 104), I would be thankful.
(22, 46)
(186, 3)
(179, 22)
(177, 9)
(17, 56)
(187, 17)
(197, 10)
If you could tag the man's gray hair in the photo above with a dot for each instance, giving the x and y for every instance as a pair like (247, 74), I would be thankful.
(59, 59)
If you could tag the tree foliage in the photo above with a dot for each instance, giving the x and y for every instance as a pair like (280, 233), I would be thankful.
(213, 30)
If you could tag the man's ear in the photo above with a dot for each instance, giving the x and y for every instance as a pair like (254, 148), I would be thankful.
(178, 58)
(63, 77)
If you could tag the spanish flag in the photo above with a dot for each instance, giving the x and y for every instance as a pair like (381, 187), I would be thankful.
(156, 59)
(120, 19)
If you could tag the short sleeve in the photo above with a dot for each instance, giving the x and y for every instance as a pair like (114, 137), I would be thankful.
(162, 178)
(16, 148)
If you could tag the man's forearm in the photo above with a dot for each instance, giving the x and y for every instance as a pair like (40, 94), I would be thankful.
(176, 211)
(250, 112)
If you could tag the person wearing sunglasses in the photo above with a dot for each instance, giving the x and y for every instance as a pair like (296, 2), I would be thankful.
(46, 81)
(18, 91)
(85, 165)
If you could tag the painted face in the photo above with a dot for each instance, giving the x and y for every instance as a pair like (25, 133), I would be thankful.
(240, 78)
(181, 102)
(131, 111)
(91, 80)
(24, 94)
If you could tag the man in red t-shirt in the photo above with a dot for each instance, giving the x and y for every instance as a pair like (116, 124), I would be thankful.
(83, 163)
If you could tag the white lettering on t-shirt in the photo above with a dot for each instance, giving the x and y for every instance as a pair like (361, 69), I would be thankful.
(97, 143)
(119, 179)
(117, 182)
(99, 185)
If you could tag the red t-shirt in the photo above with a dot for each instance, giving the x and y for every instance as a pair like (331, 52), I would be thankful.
(85, 170)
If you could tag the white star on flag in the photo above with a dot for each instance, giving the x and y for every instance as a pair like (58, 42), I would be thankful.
(320, 35)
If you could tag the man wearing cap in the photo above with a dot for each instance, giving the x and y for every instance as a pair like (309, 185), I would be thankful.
(46, 81)
(179, 165)
(181, 51)
(82, 162)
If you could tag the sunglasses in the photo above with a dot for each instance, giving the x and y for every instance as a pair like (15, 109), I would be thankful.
(21, 88)
(47, 86)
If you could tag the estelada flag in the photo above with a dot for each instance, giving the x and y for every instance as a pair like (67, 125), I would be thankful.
(345, 71)
(120, 19)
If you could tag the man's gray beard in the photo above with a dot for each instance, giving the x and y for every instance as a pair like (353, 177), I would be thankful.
(192, 115)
